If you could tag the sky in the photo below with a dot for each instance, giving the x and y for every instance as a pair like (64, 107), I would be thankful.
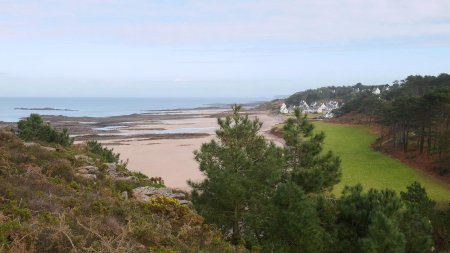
(227, 48)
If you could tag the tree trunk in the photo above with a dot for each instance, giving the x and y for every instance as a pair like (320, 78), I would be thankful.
(422, 139)
(429, 141)
(236, 234)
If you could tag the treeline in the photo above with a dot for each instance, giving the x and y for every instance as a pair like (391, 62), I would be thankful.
(278, 199)
(342, 94)
(414, 115)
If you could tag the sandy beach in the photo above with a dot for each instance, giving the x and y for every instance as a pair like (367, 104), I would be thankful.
(159, 143)
(173, 158)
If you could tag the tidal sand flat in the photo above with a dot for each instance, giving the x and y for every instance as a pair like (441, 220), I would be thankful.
(159, 143)
(172, 157)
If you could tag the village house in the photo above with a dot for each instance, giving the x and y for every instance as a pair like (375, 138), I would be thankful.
(324, 108)
(321, 108)
(284, 109)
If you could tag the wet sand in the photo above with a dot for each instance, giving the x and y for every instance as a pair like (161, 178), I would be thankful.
(173, 159)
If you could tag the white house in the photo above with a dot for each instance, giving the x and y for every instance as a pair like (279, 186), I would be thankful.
(376, 91)
(321, 108)
(284, 109)
(304, 106)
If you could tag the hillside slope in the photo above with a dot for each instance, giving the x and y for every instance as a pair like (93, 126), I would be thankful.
(66, 199)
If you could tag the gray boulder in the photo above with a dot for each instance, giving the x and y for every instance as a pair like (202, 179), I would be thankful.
(146, 193)
(87, 172)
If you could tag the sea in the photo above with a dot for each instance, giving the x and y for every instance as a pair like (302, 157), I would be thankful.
(12, 109)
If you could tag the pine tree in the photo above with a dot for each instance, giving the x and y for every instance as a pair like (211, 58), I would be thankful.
(356, 211)
(33, 128)
(383, 236)
(418, 232)
(295, 225)
(241, 171)
(304, 163)
(416, 221)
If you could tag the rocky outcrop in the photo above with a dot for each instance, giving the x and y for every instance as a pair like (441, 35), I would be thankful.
(87, 172)
(146, 193)
(111, 170)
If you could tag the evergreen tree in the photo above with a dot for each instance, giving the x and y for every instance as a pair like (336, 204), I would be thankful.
(383, 236)
(304, 163)
(241, 171)
(416, 221)
(33, 128)
(416, 198)
(418, 232)
(295, 225)
(356, 211)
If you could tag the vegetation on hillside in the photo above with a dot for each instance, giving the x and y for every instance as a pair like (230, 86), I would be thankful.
(46, 206)
(33, 128)
(105, 154)
(255, 196)
(342, 94)
(273, 199)
(415, 118)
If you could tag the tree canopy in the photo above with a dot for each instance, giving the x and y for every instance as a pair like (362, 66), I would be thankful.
(33, 128)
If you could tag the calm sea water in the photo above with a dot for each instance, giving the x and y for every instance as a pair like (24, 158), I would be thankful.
(103, 107)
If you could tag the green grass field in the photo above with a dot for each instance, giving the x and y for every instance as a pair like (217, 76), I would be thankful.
(361, 164)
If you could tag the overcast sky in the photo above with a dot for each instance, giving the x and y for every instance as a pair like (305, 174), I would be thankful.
(221, 48)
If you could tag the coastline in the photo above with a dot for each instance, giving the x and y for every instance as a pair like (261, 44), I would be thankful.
(159, 143)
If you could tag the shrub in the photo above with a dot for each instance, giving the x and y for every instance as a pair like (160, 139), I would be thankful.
(106, 154)
(33, 128)
(6, 229)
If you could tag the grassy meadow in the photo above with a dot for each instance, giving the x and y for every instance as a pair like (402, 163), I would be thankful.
(361, 164)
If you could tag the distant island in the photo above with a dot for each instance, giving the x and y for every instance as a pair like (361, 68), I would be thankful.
(44, 109)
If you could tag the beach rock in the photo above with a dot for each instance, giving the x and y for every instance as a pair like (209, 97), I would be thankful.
(146, 193)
